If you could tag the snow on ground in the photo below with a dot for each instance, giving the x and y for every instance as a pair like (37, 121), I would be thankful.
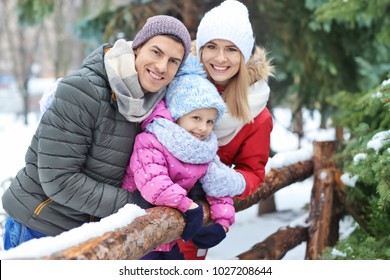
(249, 228)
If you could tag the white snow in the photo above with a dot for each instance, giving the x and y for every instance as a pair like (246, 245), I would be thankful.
(349, 180)
(358, 157)
(379, 140)
(386, 82)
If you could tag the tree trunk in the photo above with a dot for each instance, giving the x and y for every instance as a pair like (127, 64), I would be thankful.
(191, 11)
(275, 180)
(276, 245)
(267, 206)
(297, 123)
(339, 134)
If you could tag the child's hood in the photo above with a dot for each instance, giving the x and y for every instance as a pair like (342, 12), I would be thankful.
(160, 111)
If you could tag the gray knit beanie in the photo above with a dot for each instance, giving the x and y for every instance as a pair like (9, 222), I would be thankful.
(164, 25)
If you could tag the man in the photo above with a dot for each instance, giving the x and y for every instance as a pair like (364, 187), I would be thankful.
(80, 151)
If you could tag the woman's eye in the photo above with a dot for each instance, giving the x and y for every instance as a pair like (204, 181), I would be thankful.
(232, 49)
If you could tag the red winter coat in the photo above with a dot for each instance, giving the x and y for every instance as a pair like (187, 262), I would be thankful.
(249, 150)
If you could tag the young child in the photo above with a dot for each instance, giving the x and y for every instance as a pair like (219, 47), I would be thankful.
(175, 151)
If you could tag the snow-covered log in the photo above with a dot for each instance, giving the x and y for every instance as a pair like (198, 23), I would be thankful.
(159, 226)
(276, 179)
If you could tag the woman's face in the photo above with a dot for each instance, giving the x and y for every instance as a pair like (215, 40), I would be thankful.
(221, 59)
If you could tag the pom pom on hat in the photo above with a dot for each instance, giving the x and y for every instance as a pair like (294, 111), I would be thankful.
(228, 21)
(191, 90)
(164, 25)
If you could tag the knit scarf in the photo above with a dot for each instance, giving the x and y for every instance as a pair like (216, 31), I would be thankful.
(133, 104)
(229, 126)
(182, 144)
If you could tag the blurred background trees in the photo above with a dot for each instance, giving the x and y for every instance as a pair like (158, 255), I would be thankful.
(319, 47)
(330, 56)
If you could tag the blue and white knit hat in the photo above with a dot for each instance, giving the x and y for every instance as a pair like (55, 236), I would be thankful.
(228, 21)
(191, 90)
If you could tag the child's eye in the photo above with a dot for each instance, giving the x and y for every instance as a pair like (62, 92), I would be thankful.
(196, 118)
(210, 122)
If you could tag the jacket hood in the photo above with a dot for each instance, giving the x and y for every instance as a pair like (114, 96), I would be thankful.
(259, 66)
(160, 111)
(95, 61)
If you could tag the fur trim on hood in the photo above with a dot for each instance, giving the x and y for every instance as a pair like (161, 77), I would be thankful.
(259, 66)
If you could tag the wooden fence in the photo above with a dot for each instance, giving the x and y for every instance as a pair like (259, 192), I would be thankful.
(162, 224)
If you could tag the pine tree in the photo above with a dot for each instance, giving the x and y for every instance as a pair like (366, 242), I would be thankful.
(321, 47)
(366, 157)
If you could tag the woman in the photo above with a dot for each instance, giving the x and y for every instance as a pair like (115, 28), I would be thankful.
(224, 44)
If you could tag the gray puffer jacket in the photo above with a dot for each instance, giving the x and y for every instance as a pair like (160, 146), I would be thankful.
(77, 157)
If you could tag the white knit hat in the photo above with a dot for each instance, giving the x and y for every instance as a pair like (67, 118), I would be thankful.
(228, 21)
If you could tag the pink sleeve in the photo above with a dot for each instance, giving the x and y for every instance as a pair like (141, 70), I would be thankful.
(151, 175)
(222, 210)
(128, 180)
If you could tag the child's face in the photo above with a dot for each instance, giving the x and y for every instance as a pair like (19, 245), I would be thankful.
(199, 122)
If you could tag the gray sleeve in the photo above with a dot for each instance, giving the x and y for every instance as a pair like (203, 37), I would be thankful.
(65, 137)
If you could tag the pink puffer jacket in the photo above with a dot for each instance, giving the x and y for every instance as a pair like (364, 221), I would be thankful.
(164, 180)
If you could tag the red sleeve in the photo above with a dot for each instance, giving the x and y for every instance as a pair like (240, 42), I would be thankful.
(249, 151)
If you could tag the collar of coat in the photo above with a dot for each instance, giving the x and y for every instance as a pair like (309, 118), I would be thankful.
(229, 126)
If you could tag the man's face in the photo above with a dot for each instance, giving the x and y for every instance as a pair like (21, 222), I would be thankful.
(157, 62)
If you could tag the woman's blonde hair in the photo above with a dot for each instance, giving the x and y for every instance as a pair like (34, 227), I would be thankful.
(236, 94)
